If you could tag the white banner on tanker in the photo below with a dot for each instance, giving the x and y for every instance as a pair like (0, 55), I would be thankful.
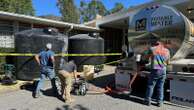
(6, 41)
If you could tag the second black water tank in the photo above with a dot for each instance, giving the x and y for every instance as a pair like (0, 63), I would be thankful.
(85, 44)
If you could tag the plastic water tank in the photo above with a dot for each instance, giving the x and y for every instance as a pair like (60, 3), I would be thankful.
(85, 44)
(34, 41)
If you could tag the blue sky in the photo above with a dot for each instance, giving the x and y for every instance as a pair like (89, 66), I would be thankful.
(45, 7)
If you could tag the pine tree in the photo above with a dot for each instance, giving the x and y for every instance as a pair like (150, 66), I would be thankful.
(68, 11)
(84, 16)
(90, 10)
(17, 6)
(4, 5)
(118, 7)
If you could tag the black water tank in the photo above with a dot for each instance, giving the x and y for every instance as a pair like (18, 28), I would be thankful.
(85, 44)
(34, 41)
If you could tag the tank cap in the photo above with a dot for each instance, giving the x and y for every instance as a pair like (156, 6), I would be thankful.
(95, 35)
(50, 30)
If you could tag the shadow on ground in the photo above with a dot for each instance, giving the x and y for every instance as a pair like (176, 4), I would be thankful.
(75, 107)
(29, 87)
(103, 81)
(67, 107)
(138, 88)
(47, 92)
(109, 80)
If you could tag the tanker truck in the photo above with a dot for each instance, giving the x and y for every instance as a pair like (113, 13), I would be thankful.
(177, 32)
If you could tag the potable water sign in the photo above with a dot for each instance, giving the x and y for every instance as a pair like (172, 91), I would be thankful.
(173, 28)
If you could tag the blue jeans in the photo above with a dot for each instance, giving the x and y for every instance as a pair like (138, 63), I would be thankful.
(46, 72)
(156, 78)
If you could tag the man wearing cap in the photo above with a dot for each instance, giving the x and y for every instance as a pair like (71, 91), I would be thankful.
(45, 60)
(159, 56)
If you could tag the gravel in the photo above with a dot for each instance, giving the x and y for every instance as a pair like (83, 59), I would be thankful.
(23, 100)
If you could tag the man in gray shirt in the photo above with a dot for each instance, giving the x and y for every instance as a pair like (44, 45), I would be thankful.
(66, 73)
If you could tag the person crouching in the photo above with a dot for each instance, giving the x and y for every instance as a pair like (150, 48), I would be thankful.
(66, 74)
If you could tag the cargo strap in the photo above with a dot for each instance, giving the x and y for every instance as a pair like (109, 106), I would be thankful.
(112, 62)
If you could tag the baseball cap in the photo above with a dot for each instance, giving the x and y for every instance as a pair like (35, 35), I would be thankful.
(48, 45)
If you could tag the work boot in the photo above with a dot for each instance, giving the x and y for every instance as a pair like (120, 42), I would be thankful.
(69, 100)
(148, 103)
(37, 95)
(159, 104)
(63, 97)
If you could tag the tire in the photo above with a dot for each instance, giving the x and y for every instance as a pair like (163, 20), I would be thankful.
(83, 89)
(76, 91)
(58, 85)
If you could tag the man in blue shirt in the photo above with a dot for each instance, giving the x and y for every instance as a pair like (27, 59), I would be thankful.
(45, 60)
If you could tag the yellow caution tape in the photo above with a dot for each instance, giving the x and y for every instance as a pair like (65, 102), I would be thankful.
(92, 55)
(17, 54)
(61, 54)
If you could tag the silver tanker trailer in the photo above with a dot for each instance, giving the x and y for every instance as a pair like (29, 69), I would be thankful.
(178, 34)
